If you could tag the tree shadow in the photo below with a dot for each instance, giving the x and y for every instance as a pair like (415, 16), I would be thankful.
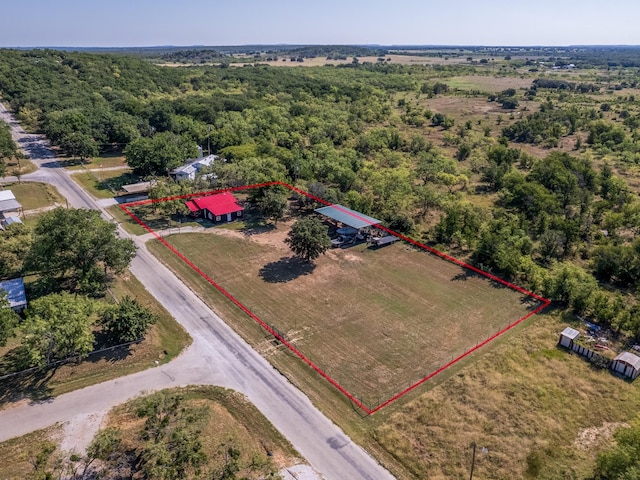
(106, 351)
(465, 274)
(286, 269)
(33, 385)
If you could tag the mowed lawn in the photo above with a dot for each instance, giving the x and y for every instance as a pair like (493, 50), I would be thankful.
(376, 321)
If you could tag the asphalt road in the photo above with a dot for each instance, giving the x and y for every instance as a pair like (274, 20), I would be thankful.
(218, 356)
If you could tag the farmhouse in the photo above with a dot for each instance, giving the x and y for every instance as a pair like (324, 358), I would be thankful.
(192, 167)
(8, 204)
(16, 295)
(627, 364)
(222, 207)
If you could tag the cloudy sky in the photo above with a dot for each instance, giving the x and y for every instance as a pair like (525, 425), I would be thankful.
(85, 23)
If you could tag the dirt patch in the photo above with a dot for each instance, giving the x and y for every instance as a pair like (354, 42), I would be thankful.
(592, 437)
(77, 433)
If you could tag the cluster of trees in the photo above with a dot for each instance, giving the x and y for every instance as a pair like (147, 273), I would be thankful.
(562, 209)
(168, 446)
(345, 130)
(8, 148)
(75, 254)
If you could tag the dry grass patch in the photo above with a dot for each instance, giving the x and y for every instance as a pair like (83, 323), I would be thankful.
(527, 401)
(107, 160)
(486, 83)
(17, 454)
(105, 183)
(21, 166)
(225, 419)
(375, 320)
(34, 195)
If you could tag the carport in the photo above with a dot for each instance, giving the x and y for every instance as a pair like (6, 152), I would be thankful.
(348, 217)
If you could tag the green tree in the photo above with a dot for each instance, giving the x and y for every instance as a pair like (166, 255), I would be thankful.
(15, 243)
(621, 461)
(79, 144)
(308, 238)
(460, 224)
(78, 246)
(159, 154)
(173, 449)
(273, 205)
(8, 319)
(571, 285)
(105, 448)
(58, 326)
(126, 322)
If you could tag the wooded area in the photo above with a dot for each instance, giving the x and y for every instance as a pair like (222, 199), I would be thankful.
(555, 205)
(523, 162)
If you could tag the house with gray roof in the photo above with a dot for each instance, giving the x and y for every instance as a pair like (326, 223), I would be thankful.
(192, 167)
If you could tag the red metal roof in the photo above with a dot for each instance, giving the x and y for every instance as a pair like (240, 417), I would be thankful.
(191, 205)
(219, 204)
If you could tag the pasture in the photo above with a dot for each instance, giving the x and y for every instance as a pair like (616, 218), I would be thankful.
(376, 321)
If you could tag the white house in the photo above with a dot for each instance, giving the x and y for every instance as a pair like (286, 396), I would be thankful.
(190, 169)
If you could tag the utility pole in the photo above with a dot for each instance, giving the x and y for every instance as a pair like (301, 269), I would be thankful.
(208, 139)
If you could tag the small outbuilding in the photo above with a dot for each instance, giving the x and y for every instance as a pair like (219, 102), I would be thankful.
(567, 337)
(8, 203)
(16, 294)
(222, 207)
(627, 364)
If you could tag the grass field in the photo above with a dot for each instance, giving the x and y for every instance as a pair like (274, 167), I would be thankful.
(486, 83)
(376, 321)
(105, 184)
(17, 454)
(165, 341)
(22, 166)
(107, 160)
(540, 412)
(33, 195)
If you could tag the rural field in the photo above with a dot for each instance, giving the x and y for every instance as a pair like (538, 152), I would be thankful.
(375, 320)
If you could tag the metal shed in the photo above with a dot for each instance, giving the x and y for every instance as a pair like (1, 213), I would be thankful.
(15, 293)
(627, 364)
(349, 217)
(567, 337)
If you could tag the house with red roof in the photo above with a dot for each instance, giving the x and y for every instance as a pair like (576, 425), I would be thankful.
(218, 208)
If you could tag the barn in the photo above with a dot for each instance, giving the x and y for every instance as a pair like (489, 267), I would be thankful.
(218, 208)
(627, 364)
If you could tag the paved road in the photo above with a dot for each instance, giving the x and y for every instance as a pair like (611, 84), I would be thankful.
(218, 356)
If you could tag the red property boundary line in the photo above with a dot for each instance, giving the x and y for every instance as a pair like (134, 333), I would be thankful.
(351, 397)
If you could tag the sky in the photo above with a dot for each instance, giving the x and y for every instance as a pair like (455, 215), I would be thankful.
(123, 23)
